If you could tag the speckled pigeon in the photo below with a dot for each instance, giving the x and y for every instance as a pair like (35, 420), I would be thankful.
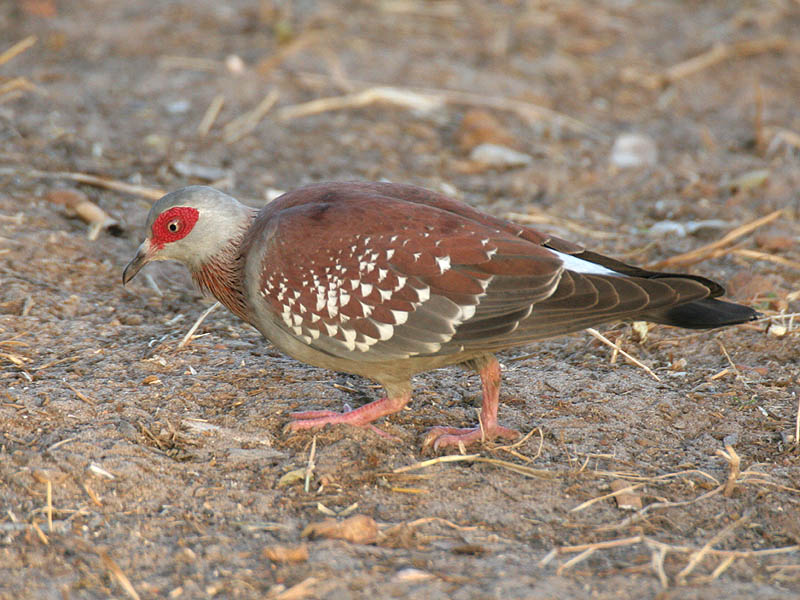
(386, 280)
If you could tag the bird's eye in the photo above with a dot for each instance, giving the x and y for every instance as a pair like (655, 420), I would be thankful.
(174, 226)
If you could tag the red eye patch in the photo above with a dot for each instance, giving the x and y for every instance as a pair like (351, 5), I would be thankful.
(173, 224)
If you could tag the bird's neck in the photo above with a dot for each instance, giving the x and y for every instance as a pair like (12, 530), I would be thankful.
(222, 276)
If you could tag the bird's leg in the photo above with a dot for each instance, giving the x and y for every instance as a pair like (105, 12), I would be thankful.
(363, 416)
(489, 370)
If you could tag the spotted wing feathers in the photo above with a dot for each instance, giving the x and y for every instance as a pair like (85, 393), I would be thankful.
(375, 272)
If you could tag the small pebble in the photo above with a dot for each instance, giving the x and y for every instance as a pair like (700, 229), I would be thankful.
(494, 155)
(634, 150)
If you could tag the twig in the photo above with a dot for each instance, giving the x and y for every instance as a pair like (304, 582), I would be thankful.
(545, 219)
(210, 115)
(624, 490)
(768, 257)
(698, 556)
(616, 347)
(435, 461)
(734, 463)
(111, 184)
(49, 484)
(521, 469)
(304, 40)
(310, 468)
(17, 49)
(704, 252)
(118, 574)
(244, 124)
(717, 54)
(427, 99)
(188, 337)
(797, 423)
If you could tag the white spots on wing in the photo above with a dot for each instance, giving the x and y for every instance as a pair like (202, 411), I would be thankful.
(333, 308)
(424, 294)
(366, 309)
(444, 263)
(385, 331)
(400, 316)
(467, 312)
(333, 300)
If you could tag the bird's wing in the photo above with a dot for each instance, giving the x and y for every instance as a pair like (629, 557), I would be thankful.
(371, 277)
(372, 281)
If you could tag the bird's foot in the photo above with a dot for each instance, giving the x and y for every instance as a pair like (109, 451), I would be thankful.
(440, 437)
(359, 417)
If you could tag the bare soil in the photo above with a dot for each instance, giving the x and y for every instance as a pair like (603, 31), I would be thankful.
(130, 467)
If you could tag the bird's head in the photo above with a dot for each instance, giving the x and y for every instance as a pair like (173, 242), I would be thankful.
(189, 225)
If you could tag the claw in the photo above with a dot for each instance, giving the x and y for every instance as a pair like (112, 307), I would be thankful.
(440, 437)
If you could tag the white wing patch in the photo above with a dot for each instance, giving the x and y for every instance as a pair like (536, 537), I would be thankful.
(573, 263)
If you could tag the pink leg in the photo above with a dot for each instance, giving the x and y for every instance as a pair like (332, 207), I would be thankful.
(360, 417)
(489, 370)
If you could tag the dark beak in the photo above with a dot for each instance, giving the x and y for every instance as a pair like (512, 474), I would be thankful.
(143, 256)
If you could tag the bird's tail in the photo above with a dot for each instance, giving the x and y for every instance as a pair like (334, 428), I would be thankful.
(702, 314)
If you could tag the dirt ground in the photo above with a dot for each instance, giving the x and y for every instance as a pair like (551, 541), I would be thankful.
(132, 467)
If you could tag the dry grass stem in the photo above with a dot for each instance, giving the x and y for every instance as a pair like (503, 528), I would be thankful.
(575, 560)
(40, 534)
(110, 184)
(719, 53)
(435, 461)
(721, 245)
(660, 549)
(734, 368)
(211, 114)
(511, 448)
(520, 469)
(624, 490)
(698, 556)
(545, 219)
(118, 574)
(189, 63)
(754, 254)
(304, 589)
(616, 347)
(722, 567)
(734, 462)
(657, 562)
(244, 124)
(17, 49)
(49, 506)
(17, 83)
(302, 41)
(81, 395)
(311, 466)
(188, 337)
(797, 423)
(426, 99)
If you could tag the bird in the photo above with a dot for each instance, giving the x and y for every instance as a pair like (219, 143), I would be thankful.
(388, 280)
